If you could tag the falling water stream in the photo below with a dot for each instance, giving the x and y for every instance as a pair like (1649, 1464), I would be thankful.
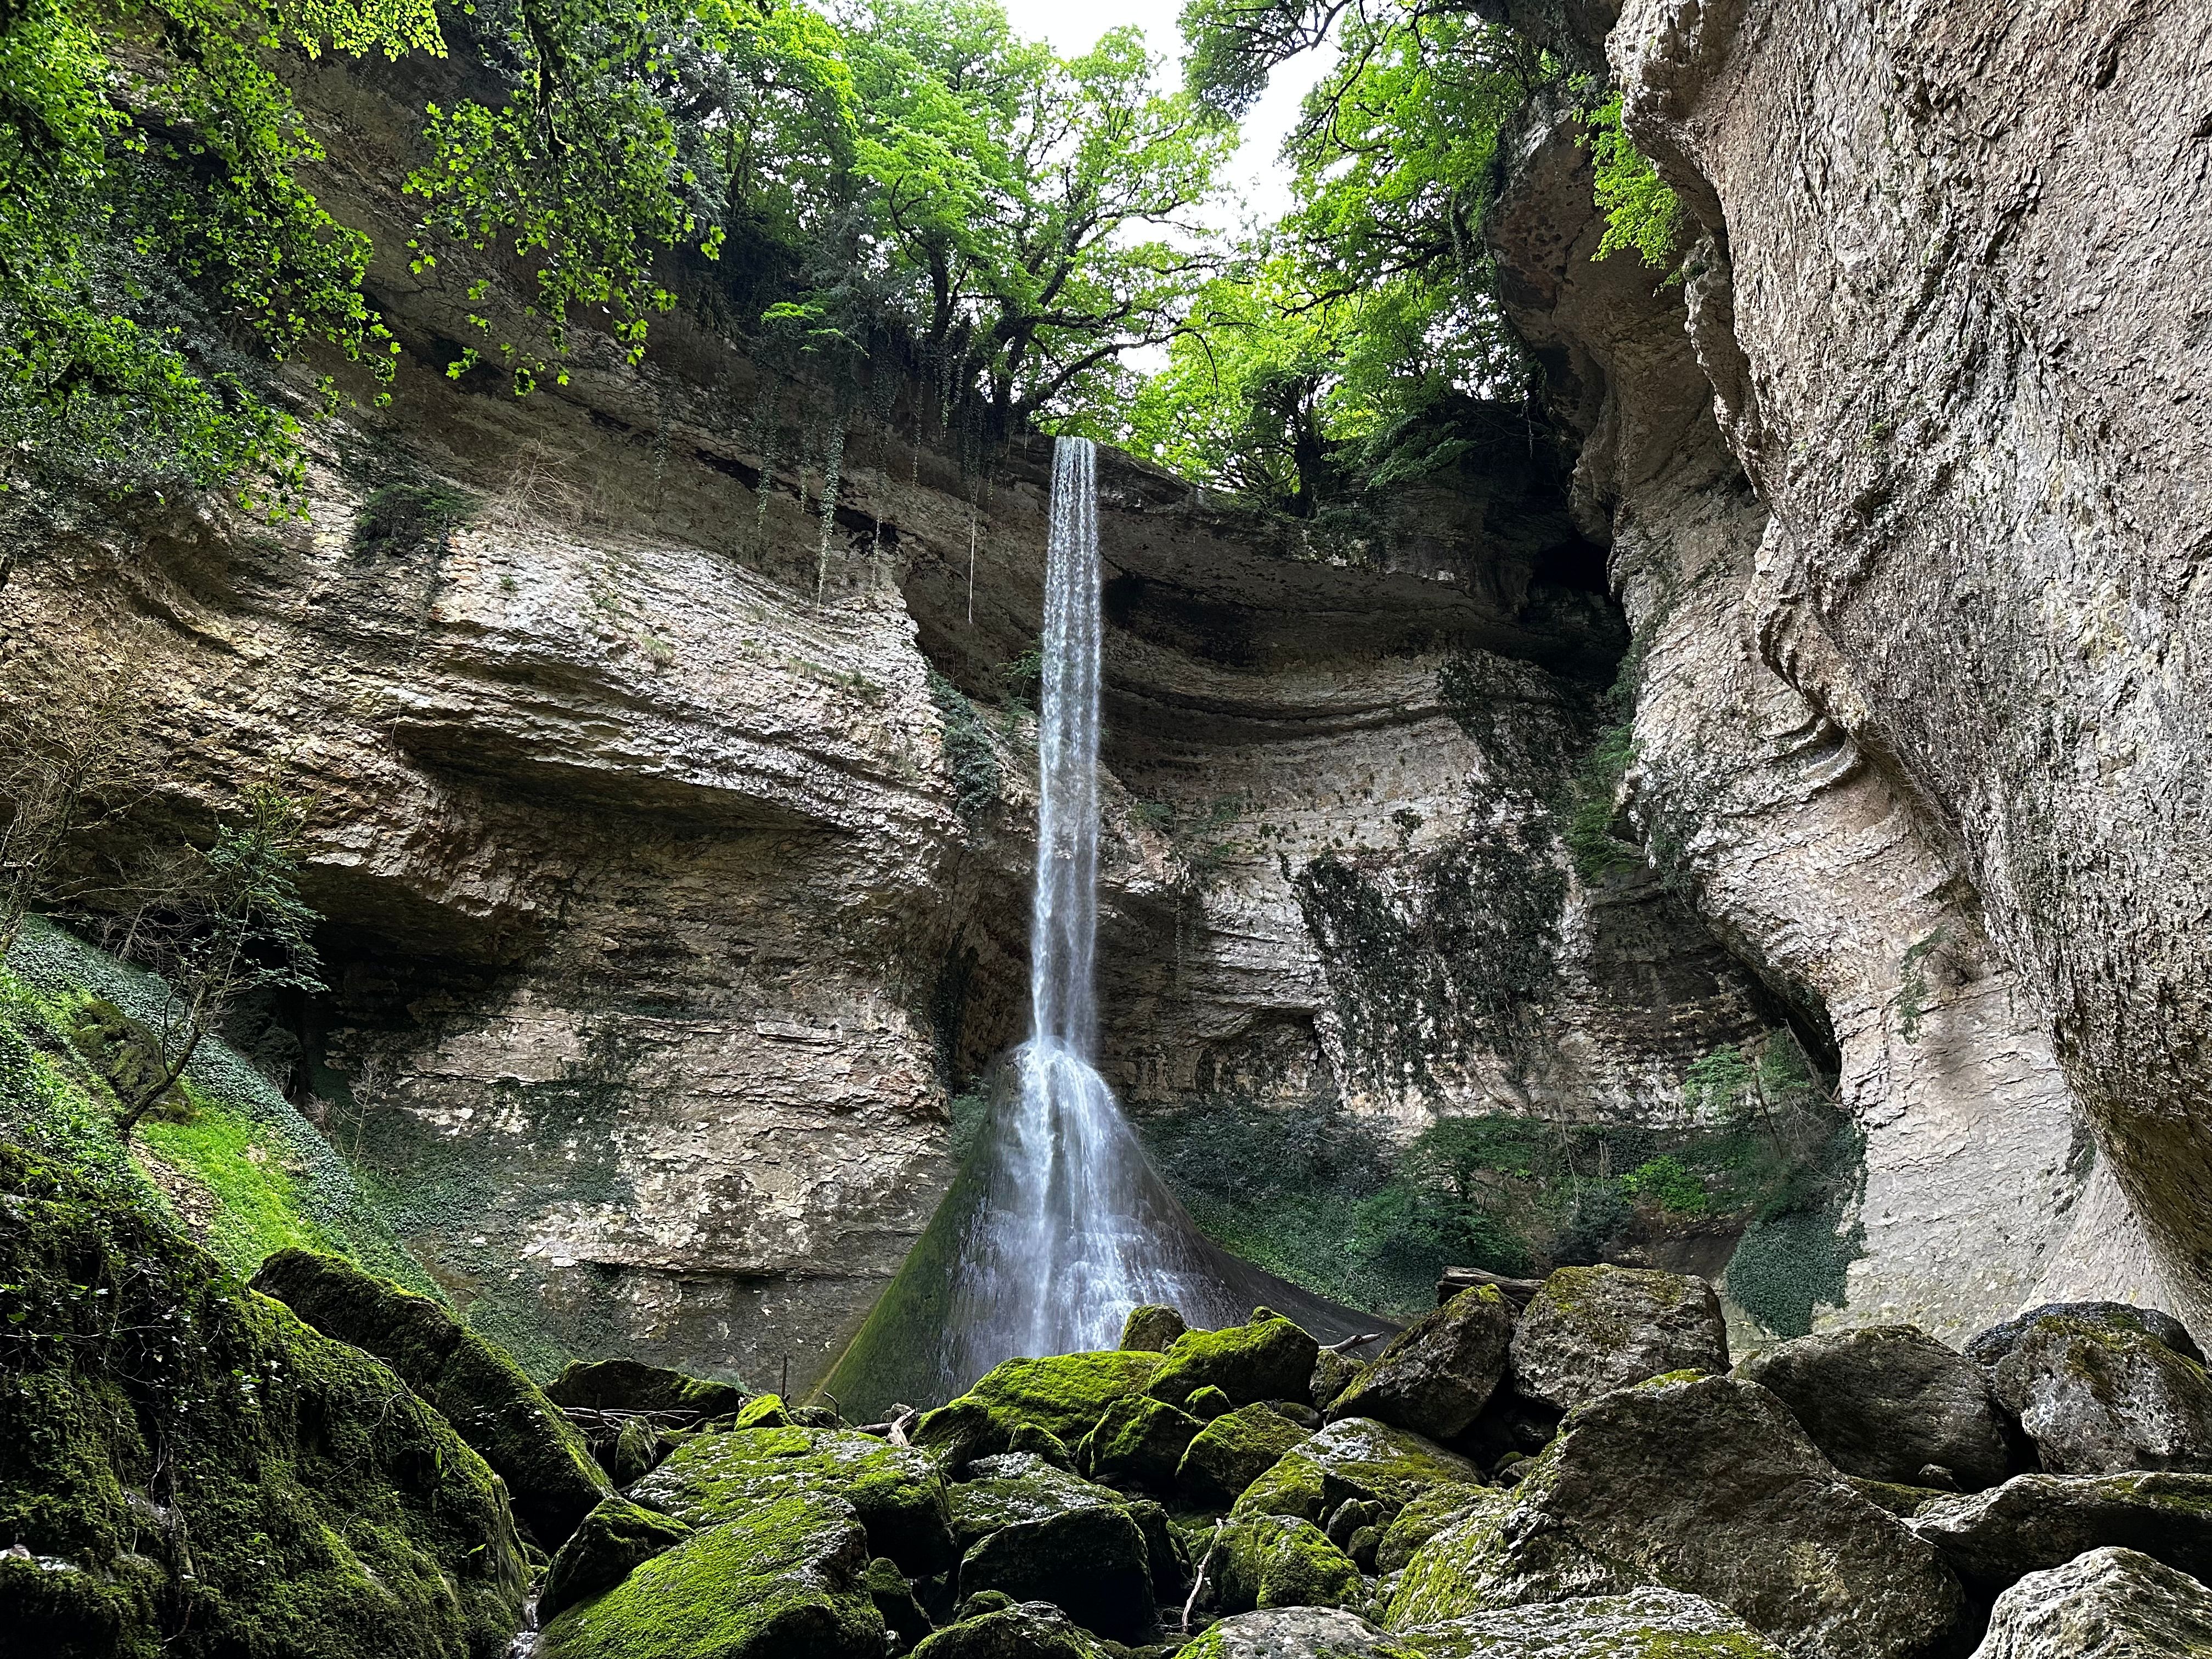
(1057, 1226)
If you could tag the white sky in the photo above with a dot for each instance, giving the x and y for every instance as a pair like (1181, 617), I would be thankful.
(1256, 183)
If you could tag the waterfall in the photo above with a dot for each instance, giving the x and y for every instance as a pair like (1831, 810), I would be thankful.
(1056, 1225)
(1075, 1228)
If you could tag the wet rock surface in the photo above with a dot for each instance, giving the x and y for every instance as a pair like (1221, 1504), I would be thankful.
(1645, 1623)
(2106, 1604)
(1437, 1375)
(2037, 1521)
(1887, 1402)
(1294, 1633)
(1589, 1330)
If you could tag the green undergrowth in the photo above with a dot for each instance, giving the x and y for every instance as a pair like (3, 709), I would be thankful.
(238, 1166)
(1329, 1201)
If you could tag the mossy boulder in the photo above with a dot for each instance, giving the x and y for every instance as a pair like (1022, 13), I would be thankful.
(1234, 1450)
(616, 1538)
(1138, 1439)
(192, 1472)
(784, 1580)
(2037, 1521)
(1358, 1458)
(1207, 1403)
(1268, 1359)
(1708, 1485)
(2098, 1398)
(1431, 1513)
(895, 1491)
(1065, 1395)
(1645, 1623)
(1091, 1562)
(631, 1385)
(1035, 1630)
(1296, 1633)
(896, 1600)
(1280, 1561)
(490, 1400)
(1885, 1402)
(1988, 1348)
(1589, 1330)
(1015, 1486)
(1333, 1373)
(764, 1411)
(1151, 1329)
(1438, 1373)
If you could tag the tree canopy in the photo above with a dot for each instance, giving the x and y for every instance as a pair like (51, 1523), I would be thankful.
(882, 186)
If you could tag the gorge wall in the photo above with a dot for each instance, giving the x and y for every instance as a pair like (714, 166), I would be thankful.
(672, 794)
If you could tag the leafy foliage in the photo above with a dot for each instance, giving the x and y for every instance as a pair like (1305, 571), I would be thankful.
(1641, 212)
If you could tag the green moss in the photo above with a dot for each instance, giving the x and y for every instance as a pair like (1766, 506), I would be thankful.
(489, 1398)
(312, 1503)
(786, 1578)
(1279, 1561)
(1268, 1359)
(1092, 1562)
(632, 1385)
(1065, 1395)
(895, 1491)
(1138, 1439)
(763, 1411)
(1233, 1451)
(968, 756)
(1355, 1458)
(613, 1541)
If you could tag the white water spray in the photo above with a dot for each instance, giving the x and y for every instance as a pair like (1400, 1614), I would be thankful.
(1074, 1228)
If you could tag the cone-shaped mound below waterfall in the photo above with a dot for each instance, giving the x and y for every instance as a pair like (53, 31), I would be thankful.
(1056, 1226)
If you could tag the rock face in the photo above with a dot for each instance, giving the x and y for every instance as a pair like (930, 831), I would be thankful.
(1589, 1330)
(2037, 1521)
(2097, 1398)
(1710, 1486)
(2105, 1602)
(1885, 1402)
(1439, 1374)
(1648, 1624)
(1971, 400)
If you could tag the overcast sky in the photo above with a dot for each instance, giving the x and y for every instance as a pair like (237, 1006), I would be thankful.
(1256, 182)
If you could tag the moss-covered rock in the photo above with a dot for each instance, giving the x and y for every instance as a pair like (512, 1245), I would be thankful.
(1016, 1486)
(1090, 1561)
(1207, 1403)
(1589, 1330)
(490, 1401)
(764, 1411)
(191, 1471)
(1268, 1359)
(1439, 1372)
(785, 1580)
(1138, 1439)
(1333, 1373)
(895, 1491)
(1431, 1513)
(1065, 1395)
(1988, 1348)
(2034, 1523)
(1645, 1623)
(1280, 1561)
(1356, 1457)
(1151, 1329)
(2108, 1603)
(631, 1385)
(1708, 1485)
(1035, 1630)
(616, 1538)
(1296, 1633)
(1234, 1450)
(896, 1600)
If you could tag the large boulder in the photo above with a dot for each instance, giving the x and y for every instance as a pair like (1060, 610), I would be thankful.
(1885, 1402)
(2108, 1604)
(1280, 1561)
(2097, 1397)
(786, 1578)
(1007, 1630)
(1988, 1348)
(1296, 1633)
(631, 1385)
(1439, 1373)
(895, 1491)
(490, 1400)
(1063, 1395)
(1432, 1512)
(1016, 1486)
(1268, 1359)
(1708, 1485)
(1151, 1329)
(2037, 1521)
(1234, 1450)
(1355, 1458)
(308, 1501)
(1644, 1624)
(1091, 1562)
(613, 1541)
(1138, 1439)
(1591, 1330)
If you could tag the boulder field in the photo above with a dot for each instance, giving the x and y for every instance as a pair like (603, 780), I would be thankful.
(1579, 1476)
